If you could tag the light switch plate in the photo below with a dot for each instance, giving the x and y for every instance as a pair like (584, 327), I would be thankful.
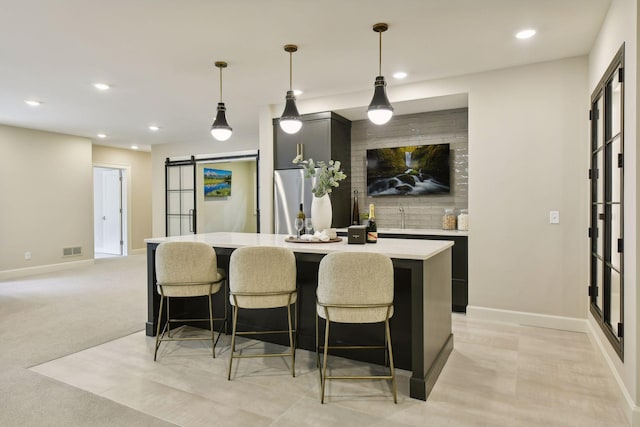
(554, 217)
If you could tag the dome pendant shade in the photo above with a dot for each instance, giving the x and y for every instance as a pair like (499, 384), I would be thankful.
(380, 109)
(290, 120)
(220, 129)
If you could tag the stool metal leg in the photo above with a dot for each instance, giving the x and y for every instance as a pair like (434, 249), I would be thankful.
(213, 335)
(233, 339)
(326, 349)
(291, 345)
(155, 353)
(393, 371)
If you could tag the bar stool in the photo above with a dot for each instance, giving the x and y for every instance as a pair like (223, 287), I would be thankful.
(262, 277)
(187, 269)
(355, 287)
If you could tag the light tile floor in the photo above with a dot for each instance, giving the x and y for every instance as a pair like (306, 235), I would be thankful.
(497, 375)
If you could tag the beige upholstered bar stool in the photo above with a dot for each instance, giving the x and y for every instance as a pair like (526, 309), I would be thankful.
(262, 277)
(355, 287)
(187, 269)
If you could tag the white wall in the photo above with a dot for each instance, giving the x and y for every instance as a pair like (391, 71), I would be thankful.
(46, 197)
(620, 26)
(528, 154)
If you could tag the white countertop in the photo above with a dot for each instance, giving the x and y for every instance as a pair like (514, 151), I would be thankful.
(394, 248)
(417, 231)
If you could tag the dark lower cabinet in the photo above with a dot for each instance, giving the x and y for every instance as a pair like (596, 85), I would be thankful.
(459, 267)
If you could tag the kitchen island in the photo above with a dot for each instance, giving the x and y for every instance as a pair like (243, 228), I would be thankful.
(420, 327)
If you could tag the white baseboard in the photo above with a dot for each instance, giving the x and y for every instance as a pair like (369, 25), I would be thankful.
(633, 410)
(573, 324)
(49, 268)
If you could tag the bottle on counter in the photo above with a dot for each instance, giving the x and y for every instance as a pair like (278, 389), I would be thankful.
(355, 219)
(449, 219)
(372, 228)
(301, 213)
(463, 220)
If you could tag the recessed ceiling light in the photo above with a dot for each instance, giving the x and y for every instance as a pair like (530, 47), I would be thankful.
(297, 92)
(134, 147)
(154, 128)
(32, 102)
(400, 75)
(101, 86)
(525, 34)
(101, 135)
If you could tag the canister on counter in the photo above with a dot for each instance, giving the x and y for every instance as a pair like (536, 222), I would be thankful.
(449, 219)
(463, 220)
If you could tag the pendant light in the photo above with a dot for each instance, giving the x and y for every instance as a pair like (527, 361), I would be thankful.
(290, 120)
(380, 109)
(220, 129)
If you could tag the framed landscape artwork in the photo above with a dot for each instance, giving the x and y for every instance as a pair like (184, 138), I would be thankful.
(217, 183)
(408, 171)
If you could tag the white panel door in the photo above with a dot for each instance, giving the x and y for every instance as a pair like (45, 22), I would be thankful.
(112, 211)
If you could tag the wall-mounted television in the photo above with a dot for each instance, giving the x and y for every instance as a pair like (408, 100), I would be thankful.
(411, 171)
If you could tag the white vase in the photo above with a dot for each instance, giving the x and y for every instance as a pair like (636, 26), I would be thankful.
(321, 214)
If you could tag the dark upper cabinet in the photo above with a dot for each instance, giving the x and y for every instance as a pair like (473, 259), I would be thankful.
(324, 136)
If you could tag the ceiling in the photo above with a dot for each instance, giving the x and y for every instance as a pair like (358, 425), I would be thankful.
(158, 56)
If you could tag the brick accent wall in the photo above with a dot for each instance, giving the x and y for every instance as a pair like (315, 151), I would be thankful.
(439, 127)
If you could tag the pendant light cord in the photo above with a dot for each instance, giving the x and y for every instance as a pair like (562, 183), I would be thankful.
(380, 55)
(220, 84)
(290, 71)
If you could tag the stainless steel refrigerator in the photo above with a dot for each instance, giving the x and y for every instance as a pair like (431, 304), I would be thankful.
(290, 188)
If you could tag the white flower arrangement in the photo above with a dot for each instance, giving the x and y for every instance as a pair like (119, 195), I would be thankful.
(328, 177)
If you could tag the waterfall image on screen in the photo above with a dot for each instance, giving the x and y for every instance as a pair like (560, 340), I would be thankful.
(217, 183)
(411, 171)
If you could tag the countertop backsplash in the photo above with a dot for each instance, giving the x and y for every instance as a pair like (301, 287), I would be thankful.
(438, 127)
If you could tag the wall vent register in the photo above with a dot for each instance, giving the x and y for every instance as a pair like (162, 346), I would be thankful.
(73, 251)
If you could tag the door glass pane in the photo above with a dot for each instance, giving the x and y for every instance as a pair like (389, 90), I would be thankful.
(173, 178)
(616, 230)
(616, 172)
(599, 136)
(616, 90)
(186, 225)
(599, 176)
(173, 225)
(187, 202)
(615, 301)
(598, 282)
(599, 234)
(173, 203)
(187, 177)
